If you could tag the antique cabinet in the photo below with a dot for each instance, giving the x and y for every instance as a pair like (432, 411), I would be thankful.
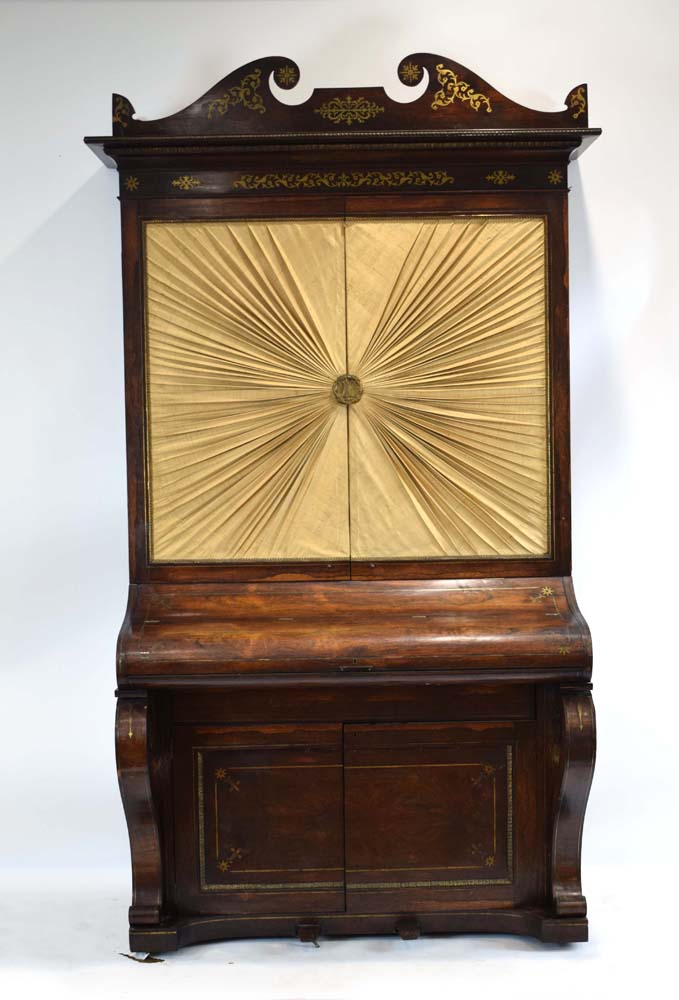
(353, 680)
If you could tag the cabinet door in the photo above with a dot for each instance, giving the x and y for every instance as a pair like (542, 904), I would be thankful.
(298, 369)
(259, 819)
(431, 815)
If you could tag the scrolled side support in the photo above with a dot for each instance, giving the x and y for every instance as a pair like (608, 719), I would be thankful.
(132, 759)
(578, 751)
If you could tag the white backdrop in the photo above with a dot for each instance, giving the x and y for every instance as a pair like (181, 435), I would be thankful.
(63, 585)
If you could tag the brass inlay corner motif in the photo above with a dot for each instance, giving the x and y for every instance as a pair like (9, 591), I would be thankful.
(285, 76)
(500, 177)
(131, 183)
(186, 182)
(564, 650)
(579, 102)
(453, 88)
(554, 176)
(353, 179)
(245, 93)
(234, 854)
(348, 110)
(410, 72)
(232, 784)
(121, 111)
(347, 389)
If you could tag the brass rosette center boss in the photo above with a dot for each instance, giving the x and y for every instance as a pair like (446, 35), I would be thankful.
(347, 389)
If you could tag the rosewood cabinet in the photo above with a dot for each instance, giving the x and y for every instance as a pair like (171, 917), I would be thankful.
(353, 679)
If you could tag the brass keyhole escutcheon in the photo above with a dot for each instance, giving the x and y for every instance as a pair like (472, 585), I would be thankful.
(347, 389)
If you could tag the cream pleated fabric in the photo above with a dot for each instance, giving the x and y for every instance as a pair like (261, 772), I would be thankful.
(250, 454)
(246, 334)
(447, 332)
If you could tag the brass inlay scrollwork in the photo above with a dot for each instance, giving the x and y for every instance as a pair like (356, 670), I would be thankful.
(353, 179)
(348, 110)
(579, 102)
(186, 182)
(500, 177)
(452, 88)
(245, 93)
(121, 110)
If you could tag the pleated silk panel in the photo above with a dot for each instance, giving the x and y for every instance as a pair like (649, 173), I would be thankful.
(246, 334)
(449, 444)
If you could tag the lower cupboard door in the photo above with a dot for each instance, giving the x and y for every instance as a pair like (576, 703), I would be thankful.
(259, 819)
(433, 819)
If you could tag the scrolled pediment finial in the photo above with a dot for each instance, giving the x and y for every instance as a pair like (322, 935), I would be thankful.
(246, 104)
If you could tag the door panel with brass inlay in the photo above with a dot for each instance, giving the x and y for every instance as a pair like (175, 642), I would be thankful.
(445, 794)
(257, 840)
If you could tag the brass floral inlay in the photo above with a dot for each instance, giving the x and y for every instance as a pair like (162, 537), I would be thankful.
(579, 102)
(347, 110)
(554, 176)
(245, 93)
(544, 592)
(131, 183)
(186, 182)
(564, 650)
(453, 88)
(353, 179)
(500, 177)
(489, 861)
(410, 72)
(285, 76)
(347, 389)
(121, 110)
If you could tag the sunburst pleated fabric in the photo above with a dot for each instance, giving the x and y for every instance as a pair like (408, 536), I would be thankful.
(246, 333)
(447, 331)
(251, 457)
